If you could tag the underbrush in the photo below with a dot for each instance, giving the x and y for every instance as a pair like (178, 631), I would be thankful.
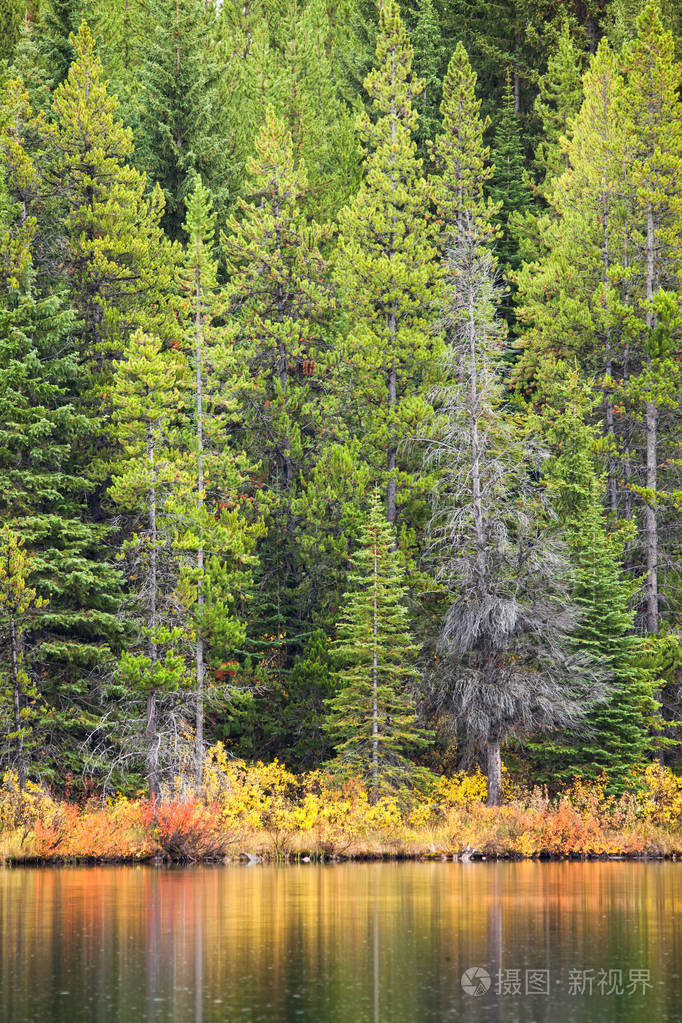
(265, 811)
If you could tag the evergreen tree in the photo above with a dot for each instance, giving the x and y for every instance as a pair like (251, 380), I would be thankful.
(44, 440)
(508, 187)
(148, 393)
(387, 271)
(426, 40)
(182, 132)
(12, 13)
(463, 161)
(619, 740)
(58, 20)
(18, 601)
(653, 130)
(279, 303)
(558, 101)
(216, 535)
(121, 28)
(372, 718)
(110, 245)
(502, 663)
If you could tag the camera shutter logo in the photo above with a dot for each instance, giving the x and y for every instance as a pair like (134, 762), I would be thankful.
(476, 981)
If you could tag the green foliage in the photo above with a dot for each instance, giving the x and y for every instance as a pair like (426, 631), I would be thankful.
(372, 717)
(387, 273)
(618, 739)
(12, 13)
(182, 132)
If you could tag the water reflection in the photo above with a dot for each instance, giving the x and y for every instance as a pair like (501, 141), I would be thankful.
(363, 943)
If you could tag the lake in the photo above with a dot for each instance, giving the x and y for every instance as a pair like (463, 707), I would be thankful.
(346, 943)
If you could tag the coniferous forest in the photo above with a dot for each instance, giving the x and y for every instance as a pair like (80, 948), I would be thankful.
(340, 383)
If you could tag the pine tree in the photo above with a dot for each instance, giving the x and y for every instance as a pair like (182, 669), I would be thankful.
(148, 393)
(605, 288)
(502, 664)
(110, 243)
(653, 129)
(387, 271)
(462, 159)
(216, 580)
(372, 718)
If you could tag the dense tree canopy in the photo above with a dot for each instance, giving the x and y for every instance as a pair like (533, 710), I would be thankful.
(340, 387)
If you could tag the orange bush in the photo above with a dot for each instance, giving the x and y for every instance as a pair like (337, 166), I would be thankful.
(186, 830)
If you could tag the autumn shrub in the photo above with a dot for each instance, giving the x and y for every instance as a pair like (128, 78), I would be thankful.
(186, 829)
(267, 809)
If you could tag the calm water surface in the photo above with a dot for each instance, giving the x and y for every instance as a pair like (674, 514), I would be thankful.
(379, 943)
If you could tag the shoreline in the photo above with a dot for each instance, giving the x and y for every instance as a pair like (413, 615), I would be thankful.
(313, 859)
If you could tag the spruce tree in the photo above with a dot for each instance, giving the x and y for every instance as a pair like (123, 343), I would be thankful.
(558, 101)
(58, 20)
(428, 61)
(279, 303)
(618, 740)
(508, 187)
(12, 14)
(372, 718)
(44, 490)
(182, 131)
(387, 272)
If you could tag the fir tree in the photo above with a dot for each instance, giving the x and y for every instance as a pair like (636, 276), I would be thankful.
(279, 303)
(508, 186)
(387, 270)
(558, 101)
(182, 132)
(372, 719)
(618, 740)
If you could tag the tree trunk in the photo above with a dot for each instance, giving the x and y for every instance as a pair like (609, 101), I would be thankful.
(199, 734)
(494, 772)
(391, 493)
(151, 728)
(16, 693)
(152, 739)
(476, 496)
(650, 518)
(375, 690)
